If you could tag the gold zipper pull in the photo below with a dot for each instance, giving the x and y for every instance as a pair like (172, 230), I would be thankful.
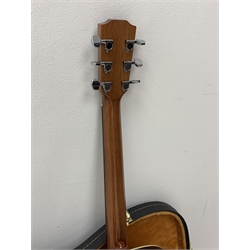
(129, 219)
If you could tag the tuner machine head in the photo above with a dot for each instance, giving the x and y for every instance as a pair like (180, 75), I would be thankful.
(114, 74)
(128, 64)
(130, 44)
(108, 43)
(106, 85)
(125, 84)
(107, 66)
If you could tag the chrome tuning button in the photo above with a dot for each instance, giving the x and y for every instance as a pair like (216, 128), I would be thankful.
(125, 84)
(127, 64)
(106, 85)
(130, 44)
(107, 66)
(96, 41)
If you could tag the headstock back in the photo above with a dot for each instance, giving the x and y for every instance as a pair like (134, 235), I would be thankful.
(116, 39)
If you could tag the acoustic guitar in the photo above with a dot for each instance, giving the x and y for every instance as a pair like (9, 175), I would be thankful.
(146, 226)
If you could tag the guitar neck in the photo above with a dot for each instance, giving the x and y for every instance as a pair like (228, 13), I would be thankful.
(114, 177)
(115, 42)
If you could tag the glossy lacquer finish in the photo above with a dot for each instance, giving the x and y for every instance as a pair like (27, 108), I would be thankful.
(119, 31)
(114, 181)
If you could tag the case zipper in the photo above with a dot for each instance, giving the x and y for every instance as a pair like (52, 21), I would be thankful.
(129, 219)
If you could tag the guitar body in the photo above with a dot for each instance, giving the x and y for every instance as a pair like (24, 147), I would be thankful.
(153, 225)
(149, 225)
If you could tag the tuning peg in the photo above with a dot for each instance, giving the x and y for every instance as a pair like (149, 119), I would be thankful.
(106, 65)
(106, 85)
(96, 41)
(127, 64)
(130, 43)
(125, 84)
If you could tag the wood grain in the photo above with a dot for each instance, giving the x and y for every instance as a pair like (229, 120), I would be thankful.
(119, 31)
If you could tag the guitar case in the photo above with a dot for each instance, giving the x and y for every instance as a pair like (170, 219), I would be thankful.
(156, 222)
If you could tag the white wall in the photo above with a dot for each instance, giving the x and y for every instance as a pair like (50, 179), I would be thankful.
(169, 120)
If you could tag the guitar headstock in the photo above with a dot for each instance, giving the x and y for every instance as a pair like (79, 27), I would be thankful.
(115, 42)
